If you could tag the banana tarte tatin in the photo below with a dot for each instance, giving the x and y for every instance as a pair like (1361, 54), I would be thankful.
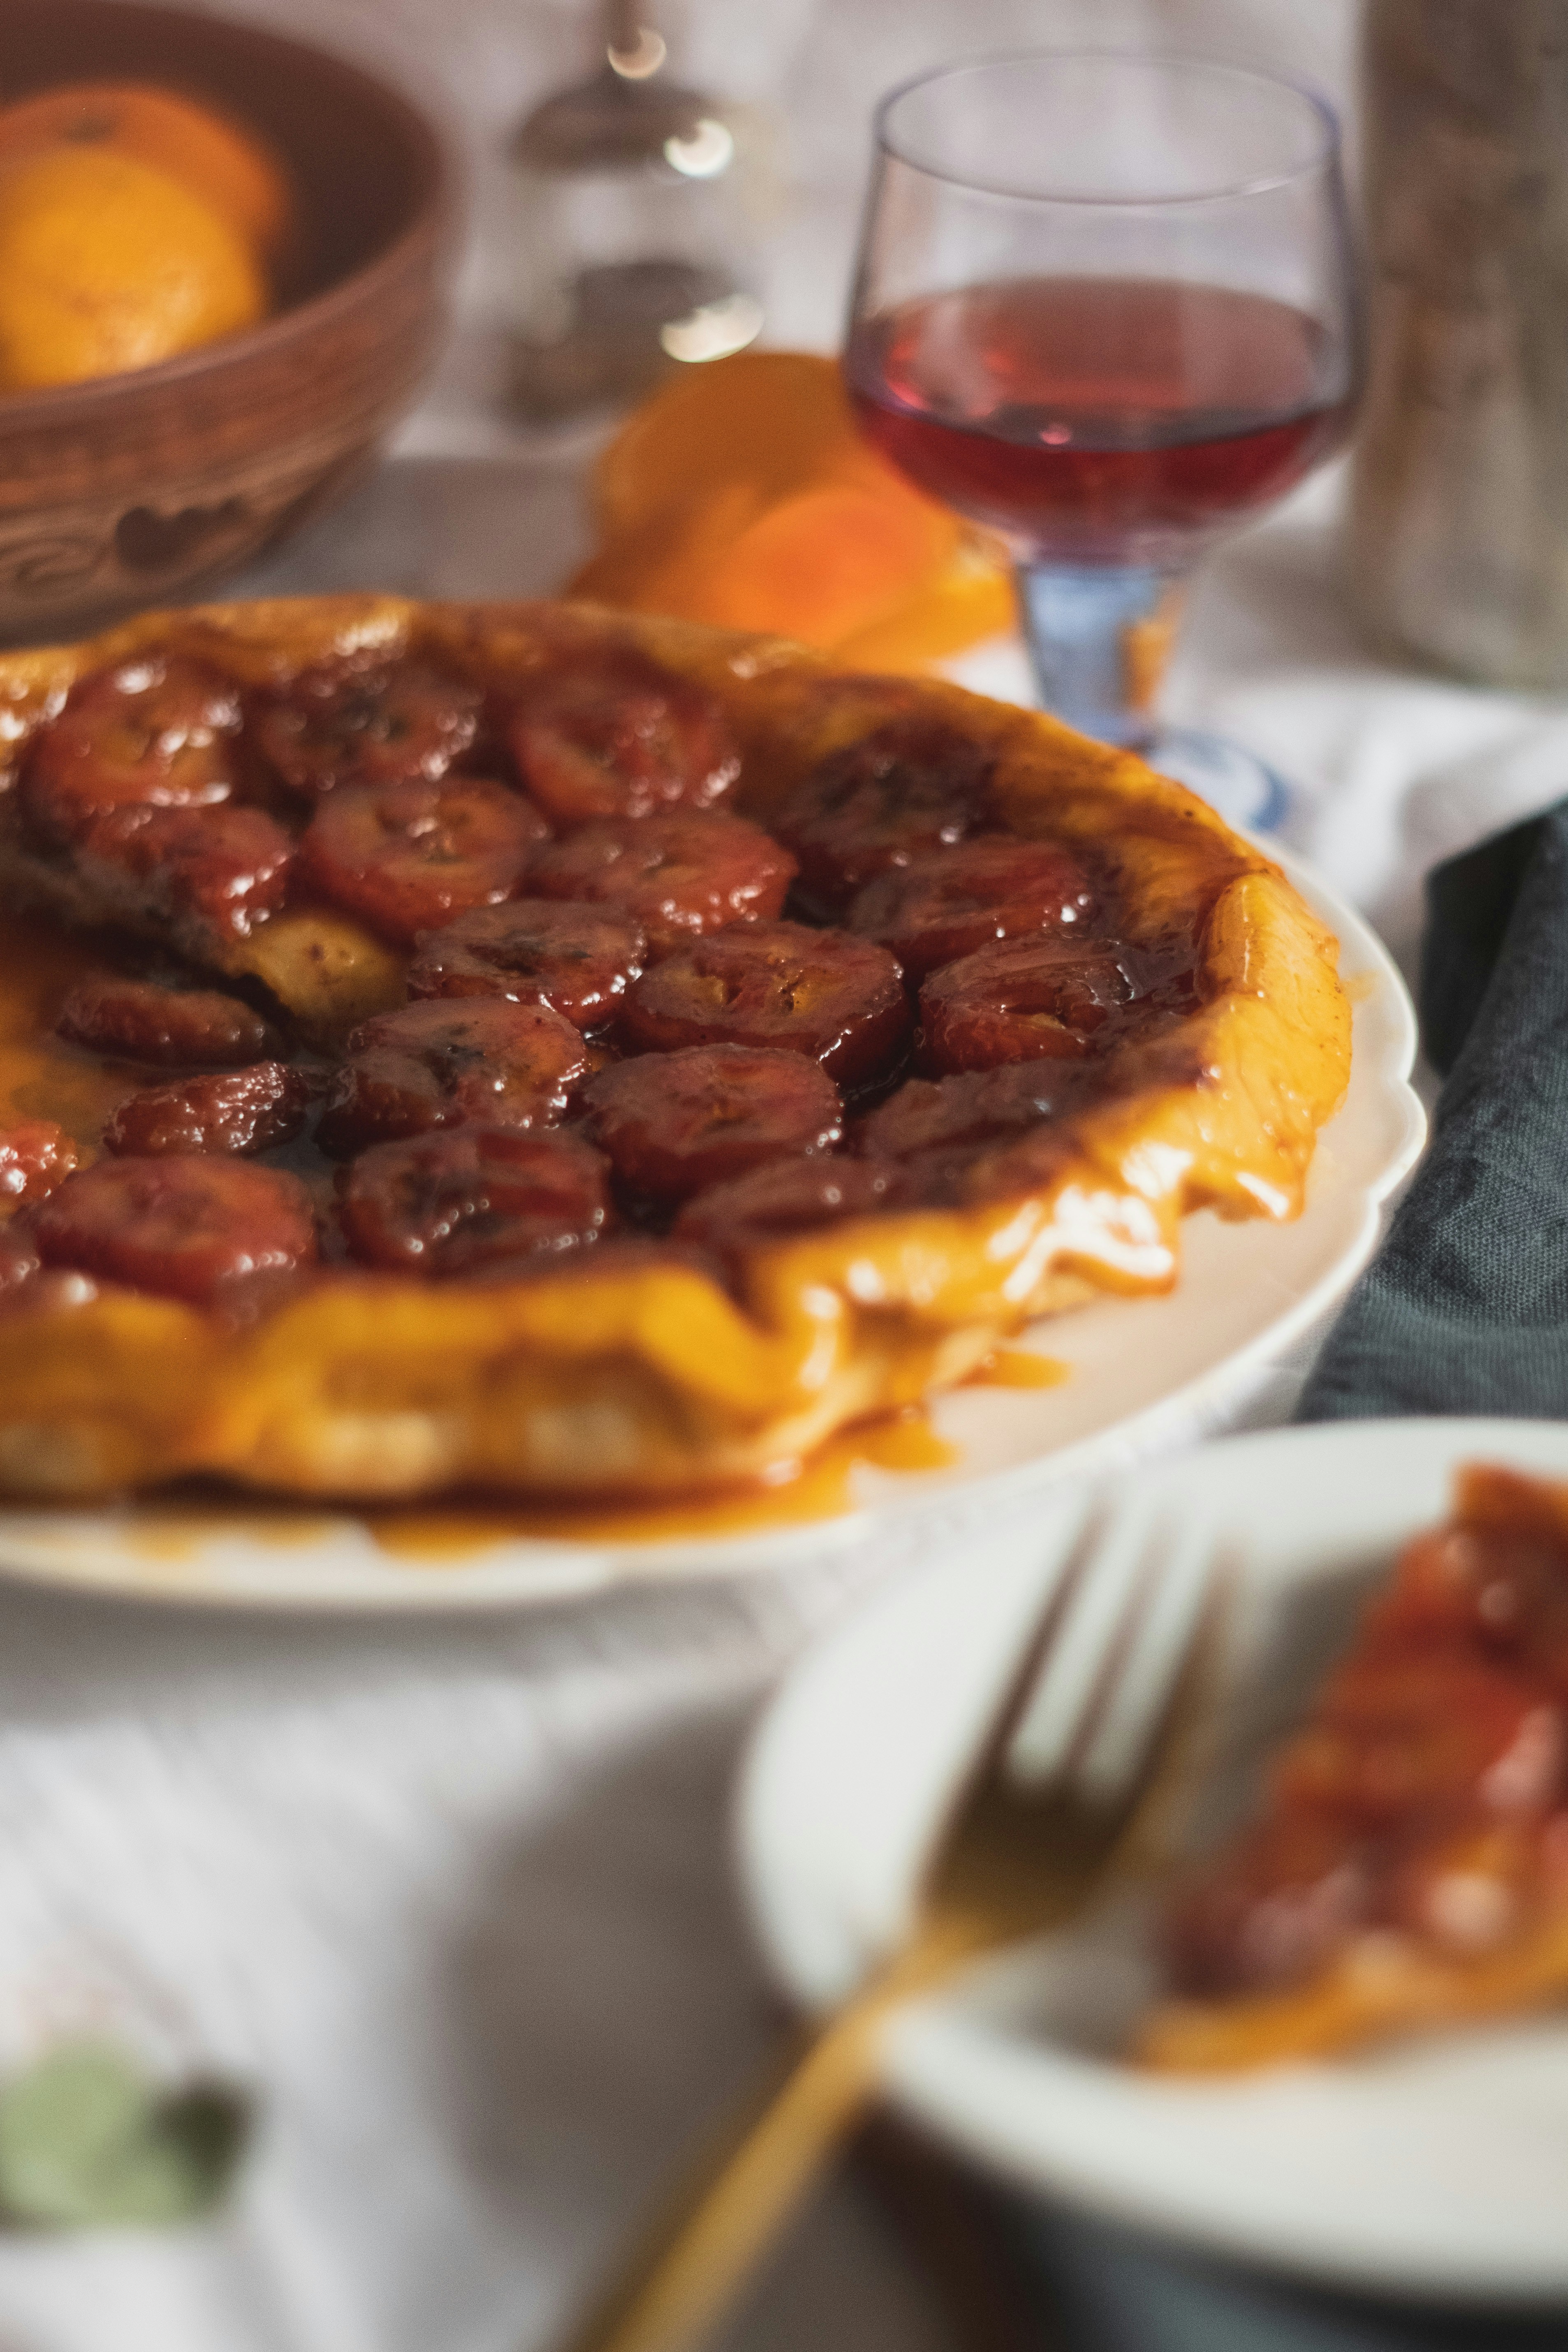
(524, 1048)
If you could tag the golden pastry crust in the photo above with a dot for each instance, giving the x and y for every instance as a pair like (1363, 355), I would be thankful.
(654, 1379)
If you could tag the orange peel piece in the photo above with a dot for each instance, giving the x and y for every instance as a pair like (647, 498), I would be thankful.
(743, 495)
(769, 420)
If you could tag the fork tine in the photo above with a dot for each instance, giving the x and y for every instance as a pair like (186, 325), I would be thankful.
(1115, 1561)
(1176, 1597)
(1019, 1693)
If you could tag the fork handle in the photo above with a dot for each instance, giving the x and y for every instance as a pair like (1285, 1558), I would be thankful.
(727, 2213)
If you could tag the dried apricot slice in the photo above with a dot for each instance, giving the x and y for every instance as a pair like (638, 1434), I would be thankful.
(938, 909)
(1020, 999)
(446, 1204)
(186, 1227)
(677, 876)
(438, 1063)
(620, 737)
(677, 1123)
(577, 958)
(406, 858)
(153, 732)
(777, 984)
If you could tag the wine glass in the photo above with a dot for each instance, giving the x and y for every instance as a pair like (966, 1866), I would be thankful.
(1105, 304)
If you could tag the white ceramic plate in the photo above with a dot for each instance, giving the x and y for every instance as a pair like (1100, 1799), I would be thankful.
(1439, 2168)
(1142, 1373)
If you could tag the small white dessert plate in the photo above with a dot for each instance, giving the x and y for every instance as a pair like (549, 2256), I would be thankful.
(1139, 1374)
(1437, 2167)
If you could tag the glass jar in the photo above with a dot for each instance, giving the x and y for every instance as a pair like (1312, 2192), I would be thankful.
(1459, 531)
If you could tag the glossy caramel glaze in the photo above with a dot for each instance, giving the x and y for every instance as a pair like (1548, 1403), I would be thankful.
(41, 1077)
(650, 1378)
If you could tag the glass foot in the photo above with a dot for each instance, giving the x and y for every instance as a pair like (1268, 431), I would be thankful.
(1242, 788)
(1099, 637)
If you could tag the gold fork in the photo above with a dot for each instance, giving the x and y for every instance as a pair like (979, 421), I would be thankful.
(1079, 1741)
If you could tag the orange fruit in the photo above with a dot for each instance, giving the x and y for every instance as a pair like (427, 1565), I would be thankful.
(971, 599)
(742, 493)
(769, 419)
(231, 168)
(107, 264)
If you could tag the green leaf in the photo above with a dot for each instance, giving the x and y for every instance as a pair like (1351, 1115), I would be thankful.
(87, 2141)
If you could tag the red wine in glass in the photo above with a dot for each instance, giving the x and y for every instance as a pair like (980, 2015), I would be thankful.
(1105, 305)
(1099, 420)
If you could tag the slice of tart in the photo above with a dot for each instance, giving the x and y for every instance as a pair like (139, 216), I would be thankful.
(1408, 1868)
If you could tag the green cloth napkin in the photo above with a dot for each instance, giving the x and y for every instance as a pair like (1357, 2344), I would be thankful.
(1465, 1308)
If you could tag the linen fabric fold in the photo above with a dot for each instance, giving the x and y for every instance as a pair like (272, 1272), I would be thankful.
(1465, 1308)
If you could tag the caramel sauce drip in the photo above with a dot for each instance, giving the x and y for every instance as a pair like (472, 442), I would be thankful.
(819, 1489)
(174, 1530)
(1018, 1368)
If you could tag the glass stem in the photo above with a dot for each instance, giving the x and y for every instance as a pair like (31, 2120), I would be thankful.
(1099, 636)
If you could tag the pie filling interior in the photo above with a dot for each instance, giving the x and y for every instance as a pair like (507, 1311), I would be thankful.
(1408, 1866)
(482, 960)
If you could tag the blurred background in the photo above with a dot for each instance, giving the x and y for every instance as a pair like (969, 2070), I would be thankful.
(812, 68)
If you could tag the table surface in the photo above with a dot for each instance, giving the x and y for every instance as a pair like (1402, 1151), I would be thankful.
(455, 1897)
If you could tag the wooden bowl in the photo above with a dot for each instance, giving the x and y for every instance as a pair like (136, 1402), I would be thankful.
(140, 488)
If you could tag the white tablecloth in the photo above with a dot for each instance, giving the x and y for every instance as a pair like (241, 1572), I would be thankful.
(455, 1897)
